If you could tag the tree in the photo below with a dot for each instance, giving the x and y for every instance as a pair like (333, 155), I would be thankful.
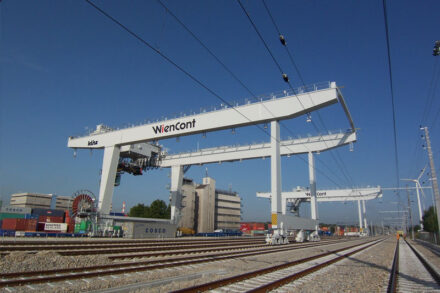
(138, 211)
(430, 223)
(157, 210)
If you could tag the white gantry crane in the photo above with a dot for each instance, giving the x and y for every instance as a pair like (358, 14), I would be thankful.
(295, 197)
(139, 144)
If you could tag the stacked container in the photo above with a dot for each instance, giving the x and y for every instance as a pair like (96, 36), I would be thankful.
(19, 224)
(48, 216)
(69, 221)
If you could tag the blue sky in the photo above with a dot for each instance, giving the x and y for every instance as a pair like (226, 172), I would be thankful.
(65, 68)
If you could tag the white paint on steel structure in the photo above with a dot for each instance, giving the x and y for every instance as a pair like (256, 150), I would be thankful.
(287, 107)
(256, 151)
(291, 105)
(332, 195)
(238, 153)
(348, 194)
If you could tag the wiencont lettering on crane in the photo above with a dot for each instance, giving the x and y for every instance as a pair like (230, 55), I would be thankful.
(173, 127)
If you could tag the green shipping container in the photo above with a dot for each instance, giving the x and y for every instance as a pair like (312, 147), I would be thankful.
(77, 228)
(11, 216)
(85, 225)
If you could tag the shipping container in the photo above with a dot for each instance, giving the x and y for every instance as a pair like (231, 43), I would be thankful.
(14, 224)
(85, 225)
(245, 227)
(7, 233)
(48, 212)
(118, 214)
(15, 210)
(71, 227)
(31, 216)
(138, 230)
(50, 219)
(77, 228)
(11, 216)
(31, 225)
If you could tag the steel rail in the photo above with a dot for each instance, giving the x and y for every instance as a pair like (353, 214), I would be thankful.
(55, 243)
(56, 271)
(392, 283)
(88, 272)
(265, 288)
(84, 249)
(433, 271)
(288, 279)
(208, 250)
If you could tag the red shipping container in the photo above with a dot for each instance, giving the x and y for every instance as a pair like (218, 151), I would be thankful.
(14, 224)
(259, 226)
(50, 219)
(71, 227)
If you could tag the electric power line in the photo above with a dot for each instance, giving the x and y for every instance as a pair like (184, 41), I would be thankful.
(390, 73)
(188, 74)
(235, 77)
(283, 41)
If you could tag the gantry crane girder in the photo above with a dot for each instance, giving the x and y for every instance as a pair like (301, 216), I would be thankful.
(348, 194)
(277, 108)
(289, 147)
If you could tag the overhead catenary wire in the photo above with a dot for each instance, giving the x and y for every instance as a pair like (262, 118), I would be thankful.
(282, 71)
(283, 41)
(230, 71)
(188, 74)
(390, 74)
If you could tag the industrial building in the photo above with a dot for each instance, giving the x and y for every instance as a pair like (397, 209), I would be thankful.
(206, 209)
(31, 200)
(63, 202)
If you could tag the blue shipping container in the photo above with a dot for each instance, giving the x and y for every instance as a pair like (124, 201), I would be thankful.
(117, 214)
(7, 233)
(31, 217)
(48, 212)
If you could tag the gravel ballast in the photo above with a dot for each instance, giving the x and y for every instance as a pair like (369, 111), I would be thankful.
(217, 270)
(366, 271)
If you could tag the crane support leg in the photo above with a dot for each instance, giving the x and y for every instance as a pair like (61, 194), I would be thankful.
(313, 203)
(360, 215)
(176, 193)
(275, 172)
(365, 216)
(109, 166)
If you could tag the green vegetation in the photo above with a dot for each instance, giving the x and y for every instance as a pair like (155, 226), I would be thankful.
(158, 210)
(430, 223)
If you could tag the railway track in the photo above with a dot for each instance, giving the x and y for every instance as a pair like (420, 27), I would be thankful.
(84, 245)
(267, 279)
(411, 272)
(49, 276)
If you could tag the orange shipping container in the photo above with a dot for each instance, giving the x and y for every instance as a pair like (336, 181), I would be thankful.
(31, 225)
(14, 224)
